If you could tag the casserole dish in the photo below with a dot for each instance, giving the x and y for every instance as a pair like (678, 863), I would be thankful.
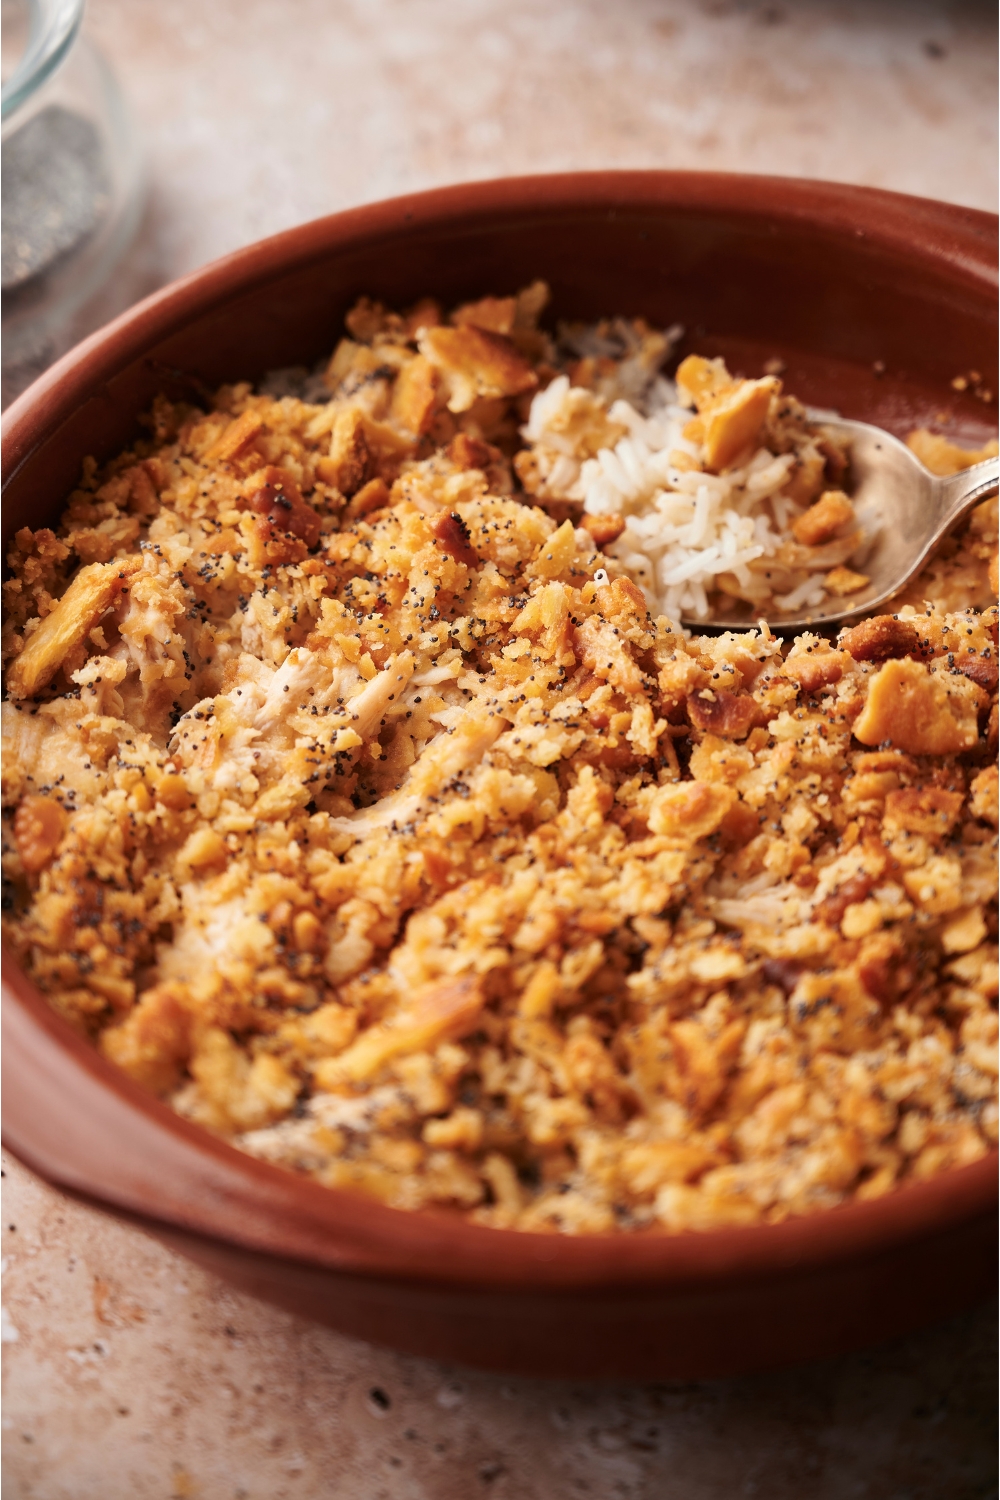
(874, 303)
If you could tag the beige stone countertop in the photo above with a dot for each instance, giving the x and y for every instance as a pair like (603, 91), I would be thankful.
(131, 1374)
(259, 114)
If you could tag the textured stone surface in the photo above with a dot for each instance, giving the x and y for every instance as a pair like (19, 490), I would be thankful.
(258, 115)
(132, 1375)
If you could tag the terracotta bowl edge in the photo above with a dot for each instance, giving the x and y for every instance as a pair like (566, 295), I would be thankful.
(964, 237)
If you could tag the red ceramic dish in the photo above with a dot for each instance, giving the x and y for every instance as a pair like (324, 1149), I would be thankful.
(875, 302)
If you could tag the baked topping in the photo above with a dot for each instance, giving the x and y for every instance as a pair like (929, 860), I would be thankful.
(361, 806)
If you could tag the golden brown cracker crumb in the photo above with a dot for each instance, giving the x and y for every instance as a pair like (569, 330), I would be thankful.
(919, 712)
(844, 581)
(943, 457)
(882, 637)
(830, 513)
(348, 813)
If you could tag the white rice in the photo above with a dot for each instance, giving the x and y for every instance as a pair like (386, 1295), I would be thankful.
(683, 528)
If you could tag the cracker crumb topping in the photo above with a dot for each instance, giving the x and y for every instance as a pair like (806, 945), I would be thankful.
(357, 804)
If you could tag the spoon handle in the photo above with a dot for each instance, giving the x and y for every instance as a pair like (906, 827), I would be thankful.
(957, 492)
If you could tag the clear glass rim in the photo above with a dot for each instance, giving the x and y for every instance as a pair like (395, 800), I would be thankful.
(52, 28)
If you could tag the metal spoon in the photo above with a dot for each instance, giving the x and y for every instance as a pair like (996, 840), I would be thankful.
(914, 508)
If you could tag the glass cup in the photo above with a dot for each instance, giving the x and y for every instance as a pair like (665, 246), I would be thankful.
(71, 180)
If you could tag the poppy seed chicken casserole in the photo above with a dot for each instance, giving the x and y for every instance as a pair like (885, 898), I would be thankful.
(366, 800)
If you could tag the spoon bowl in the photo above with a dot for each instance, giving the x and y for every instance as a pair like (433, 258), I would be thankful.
(908, 511)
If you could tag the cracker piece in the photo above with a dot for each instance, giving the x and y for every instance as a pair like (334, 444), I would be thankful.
(689, 809)
(453, 534)
(237, 438)
(495, 314)
(980, 669)
(154, 1039)
(604, 529)
(474, 362)
(735, 421)
(39, 825)
(557, 554)
(717, 710)
(910, 708)
(94, 589)
(843, 581)
(983, 796)
(531, 302)
(370, 497)
(602, 650)
(834, 1011)
(702, 380)
(942, 457)
(279, 500)
(647, 1166)
(448, 1008)
(684, 462)
(471, 452)
(350, 456)
(415, 395)
(929, 810)
(703, 1061)
(822, 521)
(881, 637)
(816, 669)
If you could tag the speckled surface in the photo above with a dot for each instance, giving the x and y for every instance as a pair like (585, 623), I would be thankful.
(132, 1375)
(258, 115)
